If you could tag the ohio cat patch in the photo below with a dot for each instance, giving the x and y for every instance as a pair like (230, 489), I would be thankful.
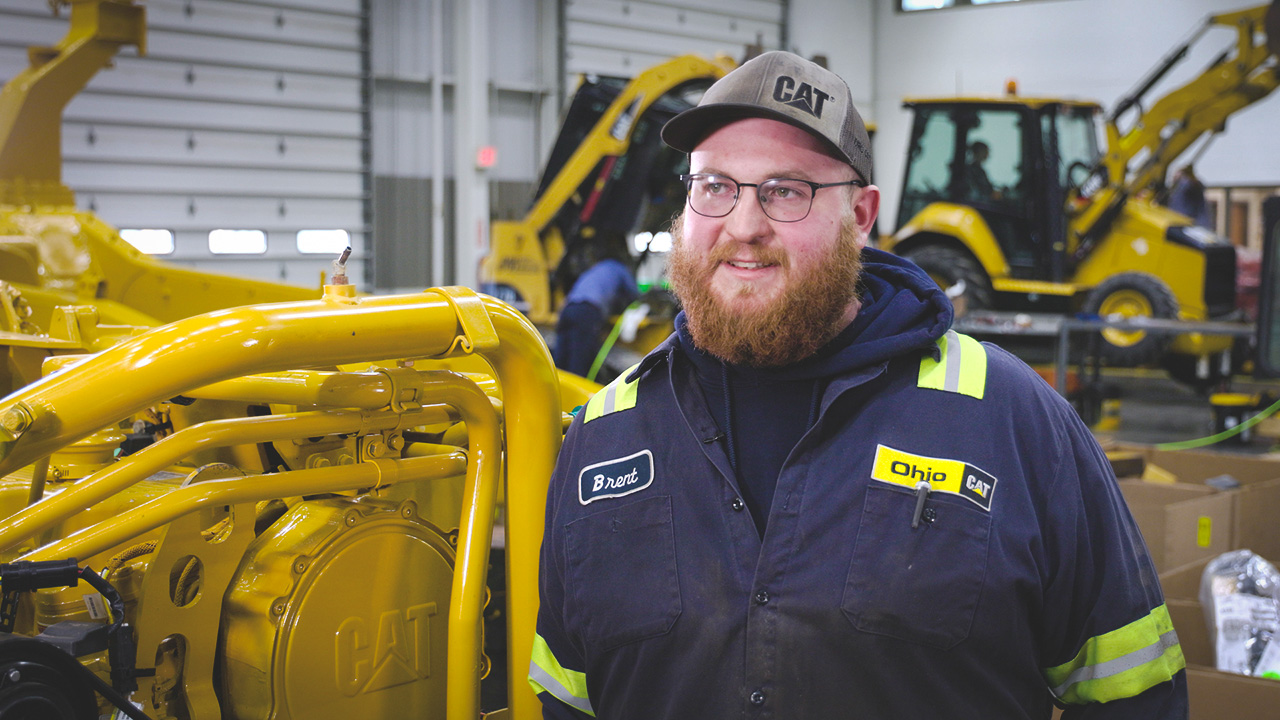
(615, 478)
(943, 475)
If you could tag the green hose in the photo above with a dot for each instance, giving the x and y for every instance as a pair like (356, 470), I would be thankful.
(608, 345)
(1201, 442)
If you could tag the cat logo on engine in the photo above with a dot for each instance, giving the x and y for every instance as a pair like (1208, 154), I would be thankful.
(399, 652)
(943, 475)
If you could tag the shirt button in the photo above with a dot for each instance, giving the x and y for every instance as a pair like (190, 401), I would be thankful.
(762, 597)
(757, 698)
(737, 504)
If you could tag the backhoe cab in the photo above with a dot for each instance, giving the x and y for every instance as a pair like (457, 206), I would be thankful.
(1013, 197)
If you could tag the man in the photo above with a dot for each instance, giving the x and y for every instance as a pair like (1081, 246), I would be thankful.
(814, 500)
(1187, 196)
(980, 187)
(604, 289)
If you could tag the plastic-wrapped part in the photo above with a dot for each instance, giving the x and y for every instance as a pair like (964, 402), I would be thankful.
(1240, 592)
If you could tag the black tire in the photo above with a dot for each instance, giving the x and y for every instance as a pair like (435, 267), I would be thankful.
(1132, 295)
(948, 266)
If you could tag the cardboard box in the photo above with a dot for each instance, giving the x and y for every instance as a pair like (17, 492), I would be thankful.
(1181, 522)
(1255, 504)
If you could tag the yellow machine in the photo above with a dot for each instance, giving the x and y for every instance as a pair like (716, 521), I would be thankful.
(297, 526)
(609, 174)
(1012, 197)
(278, 505)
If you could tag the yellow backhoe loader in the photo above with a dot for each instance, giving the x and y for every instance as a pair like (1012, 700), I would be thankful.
(1013, 197)
(225, 499)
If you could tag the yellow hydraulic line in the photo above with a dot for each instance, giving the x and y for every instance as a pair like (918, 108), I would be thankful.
(475, 533)
(364, 390)
(302, 387)
(216, 433)
(216, 346)
(531, 407)
(217, 493)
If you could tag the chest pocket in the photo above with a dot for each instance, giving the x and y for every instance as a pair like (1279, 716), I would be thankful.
(621, 571)
(921, 584)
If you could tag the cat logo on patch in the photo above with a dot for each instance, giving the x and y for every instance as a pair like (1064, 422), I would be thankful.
(943, 475)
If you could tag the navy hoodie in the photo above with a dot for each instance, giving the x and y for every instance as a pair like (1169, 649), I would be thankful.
(763, 413)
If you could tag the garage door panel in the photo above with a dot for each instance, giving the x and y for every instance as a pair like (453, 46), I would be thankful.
(126, 144)
(252, 53)
(161, 112)
(767, 10)
(95, 177)
(670, 45)
(625, 37)
(270, 23)
(193, 213)
(180, 80)
(677, 20)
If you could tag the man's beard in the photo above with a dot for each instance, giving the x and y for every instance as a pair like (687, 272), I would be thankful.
(807, 314)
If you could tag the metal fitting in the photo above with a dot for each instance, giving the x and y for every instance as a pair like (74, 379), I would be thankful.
(17, 419)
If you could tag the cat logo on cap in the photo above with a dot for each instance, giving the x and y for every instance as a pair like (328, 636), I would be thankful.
(805, 97)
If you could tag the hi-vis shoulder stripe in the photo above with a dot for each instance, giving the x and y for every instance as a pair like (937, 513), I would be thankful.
(617, 395)
(1120, 663)
(961, 369)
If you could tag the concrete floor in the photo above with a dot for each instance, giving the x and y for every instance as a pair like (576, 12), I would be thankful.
(1154, 409)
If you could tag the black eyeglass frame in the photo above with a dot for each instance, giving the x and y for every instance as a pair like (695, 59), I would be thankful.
(688, 179)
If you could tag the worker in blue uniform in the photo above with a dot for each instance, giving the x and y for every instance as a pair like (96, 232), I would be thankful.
(604, 289)
(816, 499)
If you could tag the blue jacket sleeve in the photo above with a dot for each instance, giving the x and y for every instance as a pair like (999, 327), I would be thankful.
(557, 671)
(1110, 649)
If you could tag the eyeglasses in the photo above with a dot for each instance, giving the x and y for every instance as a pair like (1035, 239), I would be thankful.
(782, 199)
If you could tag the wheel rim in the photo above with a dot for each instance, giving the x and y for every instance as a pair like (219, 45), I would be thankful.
(1126, 304)
(941, 280)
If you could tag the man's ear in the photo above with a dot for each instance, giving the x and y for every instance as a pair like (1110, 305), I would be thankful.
(865, 205)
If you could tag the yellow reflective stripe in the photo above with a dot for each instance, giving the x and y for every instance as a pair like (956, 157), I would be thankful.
(1121, 663)
(617, 395)
(594, 409)
(547, 675)
(961, 369)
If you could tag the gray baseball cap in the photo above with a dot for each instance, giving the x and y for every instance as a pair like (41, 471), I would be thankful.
(785, 87)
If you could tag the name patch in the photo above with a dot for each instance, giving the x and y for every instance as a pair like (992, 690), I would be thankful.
(943, 475)
(615, 478)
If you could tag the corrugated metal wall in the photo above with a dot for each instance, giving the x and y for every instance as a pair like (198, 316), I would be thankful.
(242, 115)
(620, 38)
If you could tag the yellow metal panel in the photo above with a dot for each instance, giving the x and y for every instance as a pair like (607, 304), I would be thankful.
(962, 223)
(1034, 286)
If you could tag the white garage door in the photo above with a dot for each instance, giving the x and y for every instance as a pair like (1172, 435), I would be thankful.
(621, 38)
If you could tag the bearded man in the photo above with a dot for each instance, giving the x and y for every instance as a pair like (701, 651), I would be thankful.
(815, 499)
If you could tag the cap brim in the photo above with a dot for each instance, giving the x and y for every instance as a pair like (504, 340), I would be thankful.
(685, 131)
